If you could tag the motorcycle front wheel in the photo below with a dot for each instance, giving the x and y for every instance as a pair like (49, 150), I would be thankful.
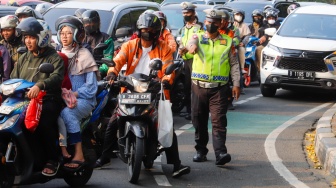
(136, 147)
(177, 95)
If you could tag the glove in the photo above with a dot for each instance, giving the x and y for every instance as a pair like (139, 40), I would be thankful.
(166, 84)
(110, 76)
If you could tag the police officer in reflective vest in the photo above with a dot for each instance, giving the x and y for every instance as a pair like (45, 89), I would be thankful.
(191, 27)
(214, 61)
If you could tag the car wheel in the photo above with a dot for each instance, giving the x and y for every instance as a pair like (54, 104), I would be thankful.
(267, 91)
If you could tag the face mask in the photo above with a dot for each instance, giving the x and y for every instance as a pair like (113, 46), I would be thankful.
(257, 20)
(187, 18)
(211, 28)
(148, 36)
(238, 18)
(271, 22)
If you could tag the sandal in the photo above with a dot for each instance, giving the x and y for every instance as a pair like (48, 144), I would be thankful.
(81, 164)
(53, 166)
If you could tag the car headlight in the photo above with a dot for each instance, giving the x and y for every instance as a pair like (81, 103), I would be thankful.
(139, 86)
(272, 55)
(9, 122)
(8, 89)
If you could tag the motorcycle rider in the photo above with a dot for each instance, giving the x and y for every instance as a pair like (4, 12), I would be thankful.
(257, 26)
(145, 48)
(79, 12)
(37, 36)
(270, 22)
(26, 11)
(11, 39)
(165, 33)
(191, 27)
(244, 33)
(94, 36)
(215, 60)
(82, 68)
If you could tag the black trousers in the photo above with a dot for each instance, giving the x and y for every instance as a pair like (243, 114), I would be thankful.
(110, 142)
(187, 83)
(215, 101)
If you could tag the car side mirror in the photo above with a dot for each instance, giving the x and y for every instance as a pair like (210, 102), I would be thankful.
(155, 64)
(46, 68)
(330, 61)
(170, 69)
(270, 31)
(98, 50)
(123, 32)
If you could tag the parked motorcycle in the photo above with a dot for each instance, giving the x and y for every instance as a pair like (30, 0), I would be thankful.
(138, 114)
(252, 73)
(19, 165)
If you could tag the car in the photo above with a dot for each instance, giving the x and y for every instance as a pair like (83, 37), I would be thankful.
(206, 2)
(7, 10)
(113, 14)
(31, 3)
(175, 17)
(294, 57)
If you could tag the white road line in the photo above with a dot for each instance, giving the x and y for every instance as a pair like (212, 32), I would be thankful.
(162, 180)
(271, 150)
(248, 99)
(186, 126)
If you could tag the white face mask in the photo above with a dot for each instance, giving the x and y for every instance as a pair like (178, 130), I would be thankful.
(238, 18)
(271, 22)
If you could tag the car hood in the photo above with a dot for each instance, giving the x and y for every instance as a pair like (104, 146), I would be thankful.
(303, 43)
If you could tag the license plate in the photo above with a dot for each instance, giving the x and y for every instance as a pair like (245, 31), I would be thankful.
(6, 109)
(301, 75)
(135, 98)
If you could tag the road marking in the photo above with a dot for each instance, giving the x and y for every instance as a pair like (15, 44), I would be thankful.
(162, 180)
(248, 99)
(186, 126)
(271, 150)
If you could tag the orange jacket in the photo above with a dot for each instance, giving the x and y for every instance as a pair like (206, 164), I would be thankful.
(169, 39)
(230, 32)
(131, 52)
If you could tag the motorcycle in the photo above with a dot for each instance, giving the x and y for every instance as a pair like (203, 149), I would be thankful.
(177, 94)
(252, 73)
(138, 119)
(19, 165)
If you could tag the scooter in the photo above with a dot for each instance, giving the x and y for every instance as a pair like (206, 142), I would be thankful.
(19, 165)
(252, 73)
(138, 119)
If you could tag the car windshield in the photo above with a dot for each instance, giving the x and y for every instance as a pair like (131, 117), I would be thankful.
(53, 14)
(248, 8)
(309, 26)
(175, 17)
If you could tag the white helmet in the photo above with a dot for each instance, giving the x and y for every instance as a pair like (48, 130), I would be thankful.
(42, 7)
(9, 21)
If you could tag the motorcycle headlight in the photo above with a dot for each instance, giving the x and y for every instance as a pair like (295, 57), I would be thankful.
(9, 122)
(8, 89)
(139, 86)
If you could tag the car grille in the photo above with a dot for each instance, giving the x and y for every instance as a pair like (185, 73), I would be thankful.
(303, 60)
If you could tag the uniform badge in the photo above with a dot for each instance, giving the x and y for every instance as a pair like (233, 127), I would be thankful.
(223, 42)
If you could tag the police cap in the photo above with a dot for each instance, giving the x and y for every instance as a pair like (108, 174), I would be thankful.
(213, 14)
(187, 6)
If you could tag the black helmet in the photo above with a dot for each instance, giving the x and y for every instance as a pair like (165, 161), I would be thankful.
(73, 22)
(79, 12)
(91, 21)
(149, 21)
(38, 28)
(272, 12)
(226, 16)
(258, 12)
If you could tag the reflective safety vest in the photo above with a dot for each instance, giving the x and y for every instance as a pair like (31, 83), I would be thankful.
(211, 63)
(186, 35)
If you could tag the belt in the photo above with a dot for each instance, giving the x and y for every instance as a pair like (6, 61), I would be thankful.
(206, 84)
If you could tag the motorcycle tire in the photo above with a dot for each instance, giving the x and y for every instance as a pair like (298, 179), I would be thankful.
(177, 96)
(148, 163)
(136, 152)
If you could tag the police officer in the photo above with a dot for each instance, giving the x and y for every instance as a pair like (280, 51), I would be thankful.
(191, 27)
(214, 61)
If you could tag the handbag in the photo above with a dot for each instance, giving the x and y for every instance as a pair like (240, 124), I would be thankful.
(33, 112)
(165, 121)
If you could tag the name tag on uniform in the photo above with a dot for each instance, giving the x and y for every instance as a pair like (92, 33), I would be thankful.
(223, 42)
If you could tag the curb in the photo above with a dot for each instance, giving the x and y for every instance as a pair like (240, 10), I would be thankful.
(325, 142)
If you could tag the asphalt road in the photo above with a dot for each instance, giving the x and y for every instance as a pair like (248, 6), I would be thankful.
(265, 139)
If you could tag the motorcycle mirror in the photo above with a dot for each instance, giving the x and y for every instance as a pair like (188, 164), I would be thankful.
(123, 32)
(98, 50)
(170, 69)
(329, 61)
(155, 64)
(46, 68)
(270, 31)
(22, 50)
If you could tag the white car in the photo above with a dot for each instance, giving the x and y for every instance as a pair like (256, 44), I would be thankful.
(294, 57)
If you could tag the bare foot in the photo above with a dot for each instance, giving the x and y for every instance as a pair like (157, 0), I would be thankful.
(65, 152)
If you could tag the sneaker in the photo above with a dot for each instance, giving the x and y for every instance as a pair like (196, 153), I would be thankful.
(181, 171)
(100, 163)
(243, 71)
